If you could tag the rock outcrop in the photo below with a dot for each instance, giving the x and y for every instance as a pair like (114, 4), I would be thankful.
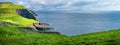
(26, 16)
(31, 15)
(26, 13)
(42, 26)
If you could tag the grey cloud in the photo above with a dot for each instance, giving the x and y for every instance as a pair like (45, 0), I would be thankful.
(79, 5)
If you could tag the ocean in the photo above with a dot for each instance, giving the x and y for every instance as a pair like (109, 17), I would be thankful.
(80, 23)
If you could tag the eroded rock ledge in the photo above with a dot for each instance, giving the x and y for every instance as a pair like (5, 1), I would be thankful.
(37, 27)
(26, 13)
(31, 15)
(41, 27)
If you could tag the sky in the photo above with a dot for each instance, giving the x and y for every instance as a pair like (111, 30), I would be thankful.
(74, 5)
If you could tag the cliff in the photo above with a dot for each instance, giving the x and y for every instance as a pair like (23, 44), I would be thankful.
(18, 14)
(8, 13)
(26, 13)
(13, 21)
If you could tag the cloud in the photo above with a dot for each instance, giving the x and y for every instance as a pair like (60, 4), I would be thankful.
(59, 4)
(104, 5)
(78, 5)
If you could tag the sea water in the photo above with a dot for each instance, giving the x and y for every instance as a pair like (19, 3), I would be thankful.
(80, 23)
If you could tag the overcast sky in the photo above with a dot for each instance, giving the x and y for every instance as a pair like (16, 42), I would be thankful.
(76, 5)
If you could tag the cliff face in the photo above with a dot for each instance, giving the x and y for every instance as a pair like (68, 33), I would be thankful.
(9, 13)
(26, 13)
(19, 15)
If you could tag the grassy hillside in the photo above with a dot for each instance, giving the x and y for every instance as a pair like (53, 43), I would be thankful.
(15, 36)
(8, 14)
(99, 38)
(12, 35)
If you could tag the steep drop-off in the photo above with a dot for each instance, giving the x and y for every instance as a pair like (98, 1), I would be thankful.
(8, 13)
(11, 34)
(26, 13)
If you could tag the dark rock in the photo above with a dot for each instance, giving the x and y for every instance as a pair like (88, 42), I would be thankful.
(26, 13)
(42, 26)
(50, 32)
(47, 28)
(34, 13)
(28, 29)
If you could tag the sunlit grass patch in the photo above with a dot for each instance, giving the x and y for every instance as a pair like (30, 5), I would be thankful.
(17, 19)
(8, 14)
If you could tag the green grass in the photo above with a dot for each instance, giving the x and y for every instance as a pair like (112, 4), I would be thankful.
(15, 36)
(10, 34)
(8, 14)
(99, 38)
(17, 19)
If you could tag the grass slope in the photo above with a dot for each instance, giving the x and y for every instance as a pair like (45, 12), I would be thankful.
(8, 14)
(14, 36)
(11, 35)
